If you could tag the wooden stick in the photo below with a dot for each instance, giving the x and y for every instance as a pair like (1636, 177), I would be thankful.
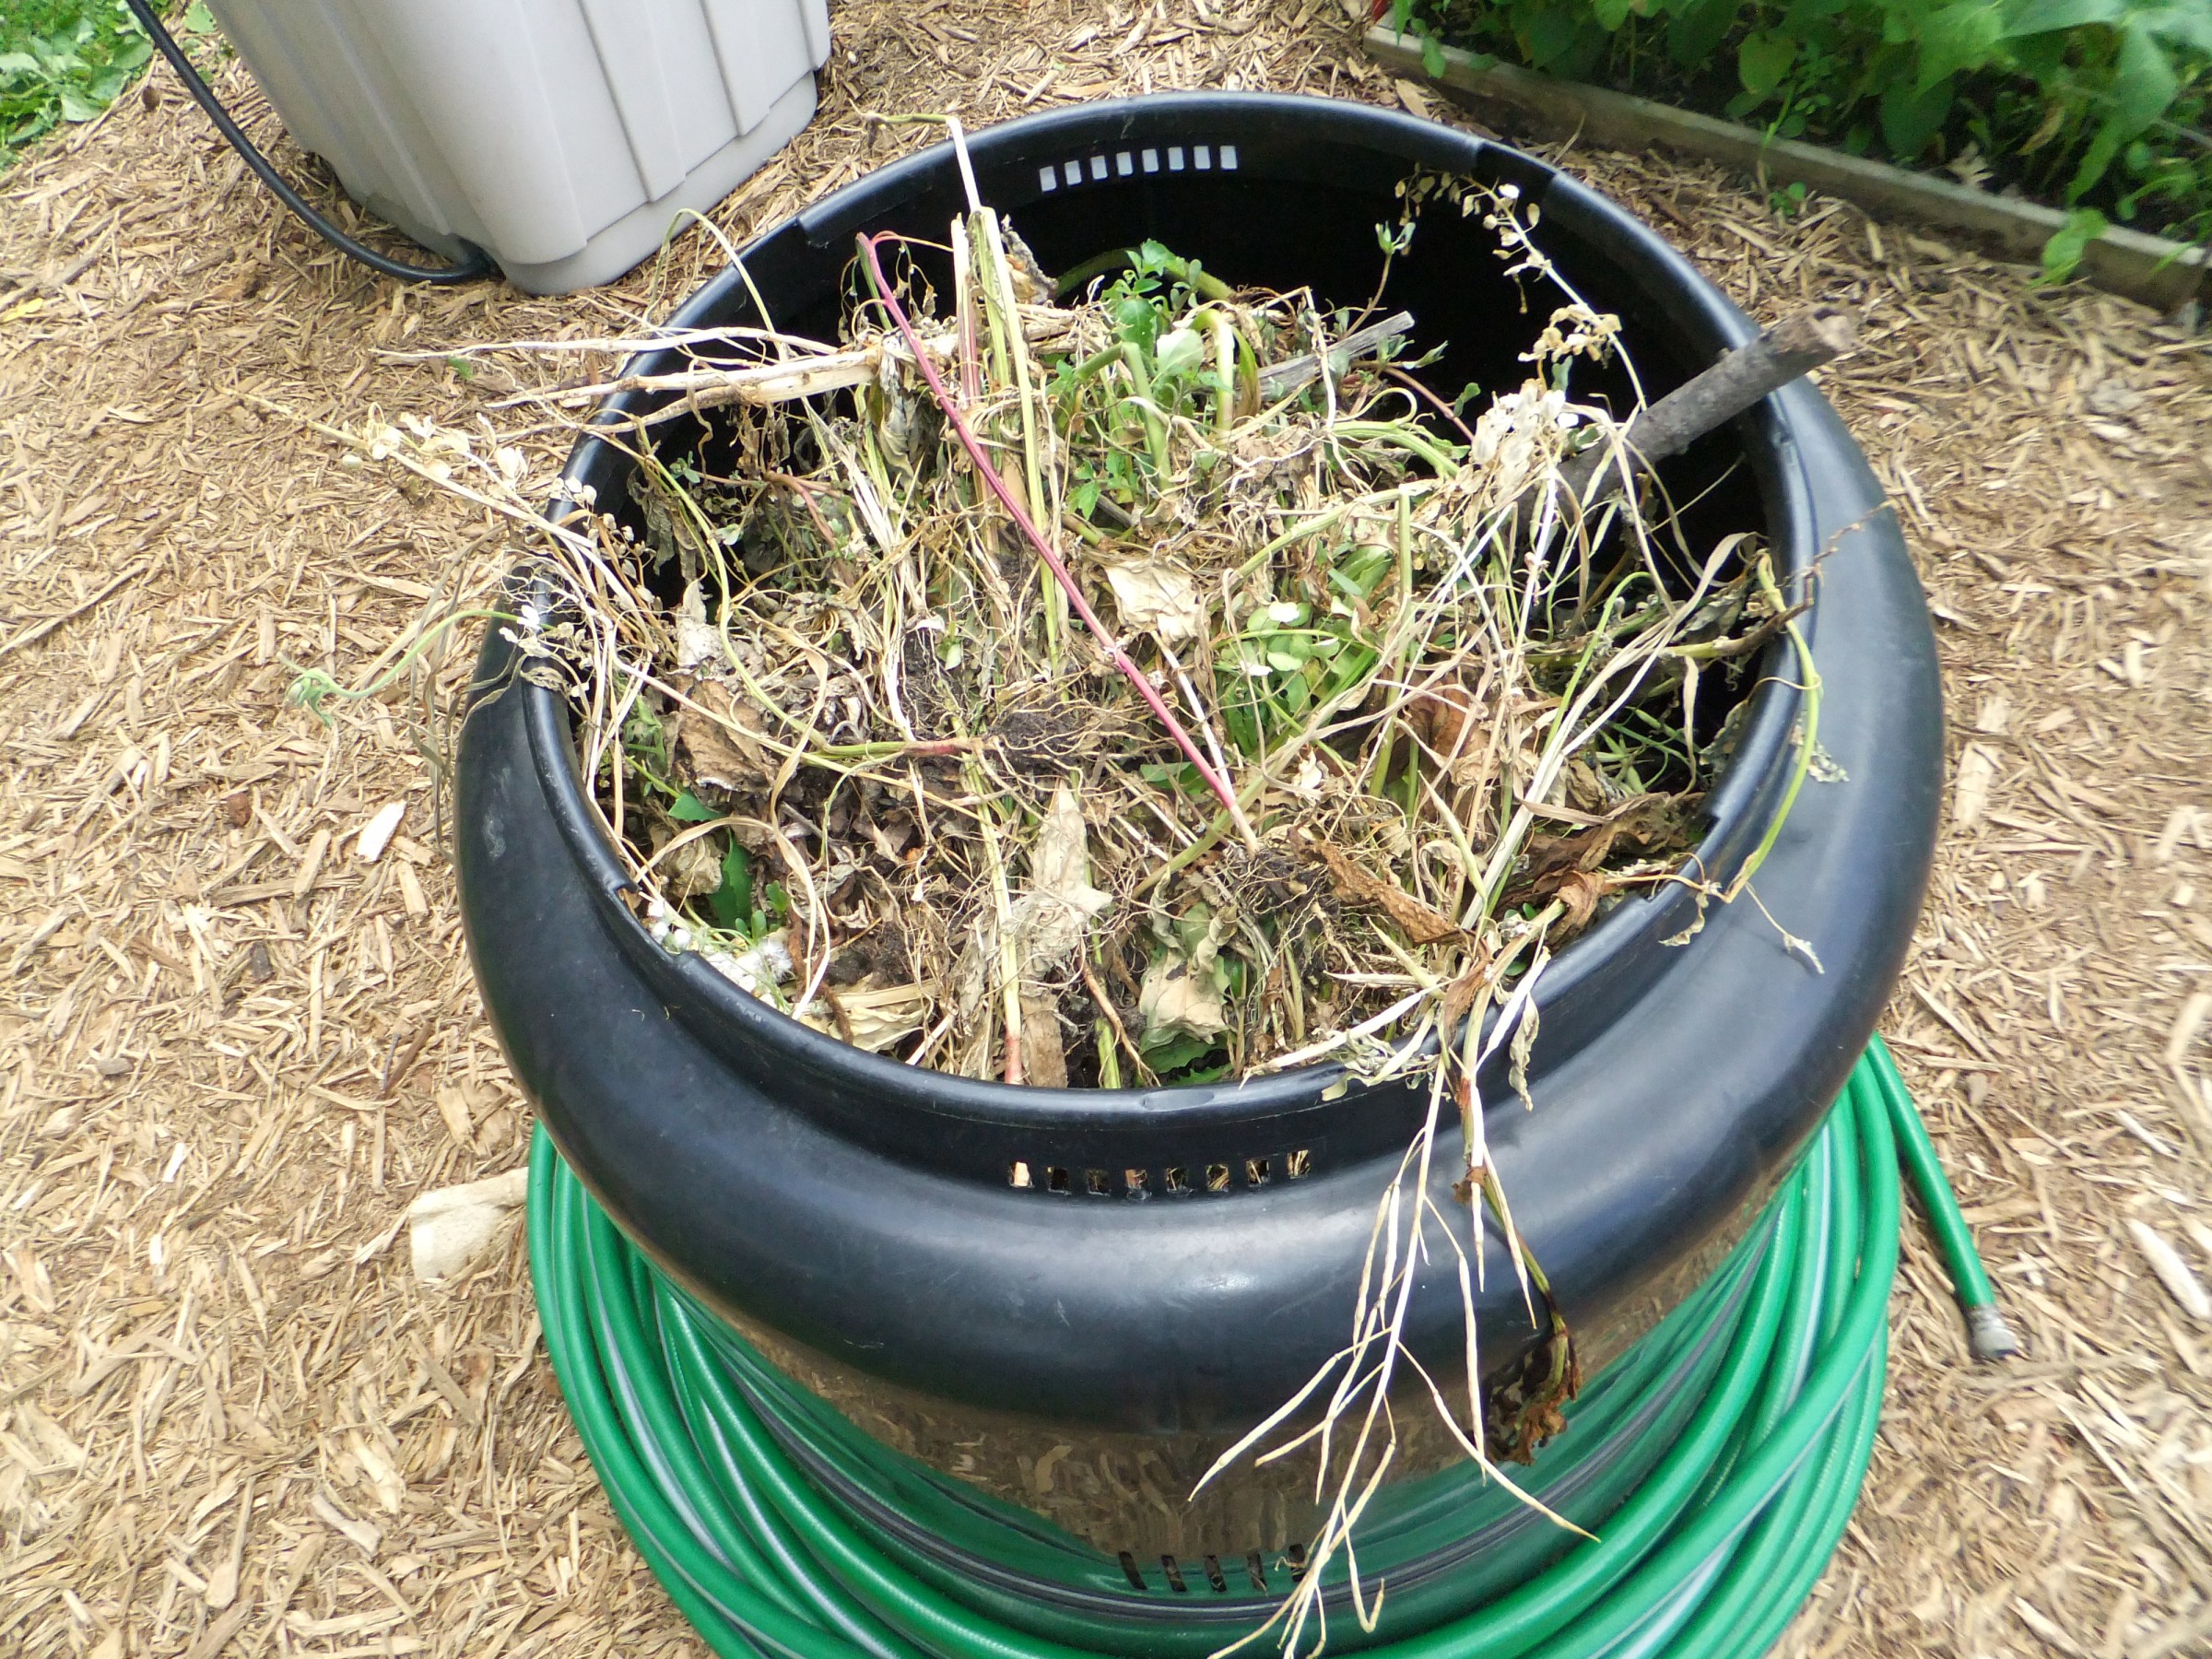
(1293, 373)
(1792, 346)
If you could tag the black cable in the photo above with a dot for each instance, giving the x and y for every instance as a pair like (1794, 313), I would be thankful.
(476, 264)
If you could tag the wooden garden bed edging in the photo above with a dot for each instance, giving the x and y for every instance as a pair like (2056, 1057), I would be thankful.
(2151, 269)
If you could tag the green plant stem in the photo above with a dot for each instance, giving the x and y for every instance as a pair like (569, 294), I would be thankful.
(1807, 738)
(313, 686)
(1202, 282)
(1329, 518)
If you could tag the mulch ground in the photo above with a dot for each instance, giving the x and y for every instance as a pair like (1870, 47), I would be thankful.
(232, 1052)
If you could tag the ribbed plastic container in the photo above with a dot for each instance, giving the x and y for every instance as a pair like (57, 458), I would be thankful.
(1069, 1301)
(561, 136)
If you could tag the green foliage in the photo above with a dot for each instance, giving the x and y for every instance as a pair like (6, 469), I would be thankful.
(732, 903)
(63, 61)
(2062, 253)
(2099, 105)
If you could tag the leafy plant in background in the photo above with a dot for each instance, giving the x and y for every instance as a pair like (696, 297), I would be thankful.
(67, 60)
(2100, 106)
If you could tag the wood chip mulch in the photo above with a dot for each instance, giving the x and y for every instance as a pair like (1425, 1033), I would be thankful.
(231, 1051)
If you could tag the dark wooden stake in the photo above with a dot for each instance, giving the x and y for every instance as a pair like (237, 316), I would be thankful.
(1790, 348)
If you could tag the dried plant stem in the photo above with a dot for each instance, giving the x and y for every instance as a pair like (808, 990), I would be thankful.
(1113, 648)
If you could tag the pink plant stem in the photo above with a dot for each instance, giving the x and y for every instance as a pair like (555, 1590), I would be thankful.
(1130, 671)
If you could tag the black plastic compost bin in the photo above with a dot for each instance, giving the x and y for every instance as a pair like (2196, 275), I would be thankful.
(1072, 1300)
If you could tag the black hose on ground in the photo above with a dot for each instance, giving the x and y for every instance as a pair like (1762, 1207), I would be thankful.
(475, 264)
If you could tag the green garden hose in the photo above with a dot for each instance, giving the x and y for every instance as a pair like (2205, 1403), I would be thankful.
(1707, 1549)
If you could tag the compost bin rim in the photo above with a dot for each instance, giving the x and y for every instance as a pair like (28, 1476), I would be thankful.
(1738, 806)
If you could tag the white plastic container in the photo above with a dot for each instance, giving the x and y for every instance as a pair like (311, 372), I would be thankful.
(561, 136)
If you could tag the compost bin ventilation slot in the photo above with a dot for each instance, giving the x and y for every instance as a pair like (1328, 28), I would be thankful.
(1097, 169)
(1022, 1176)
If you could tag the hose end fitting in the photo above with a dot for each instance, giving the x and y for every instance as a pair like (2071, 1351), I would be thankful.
(1990, 1336)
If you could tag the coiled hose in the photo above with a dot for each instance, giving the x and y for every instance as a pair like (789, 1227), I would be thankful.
(1707, 1550)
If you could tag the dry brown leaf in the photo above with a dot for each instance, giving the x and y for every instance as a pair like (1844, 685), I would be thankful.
(1156, 597)
(1179, 993)
(1043, 1055)
(717, 735)
(449, 1229)
(1439, 719)
(1356, 887)
(1580, 891)
(874, 1019)
(1049, 918)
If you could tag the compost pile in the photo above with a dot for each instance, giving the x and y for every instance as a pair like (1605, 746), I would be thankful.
(1122, 679)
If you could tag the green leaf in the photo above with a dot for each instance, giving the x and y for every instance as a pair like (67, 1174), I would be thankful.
(1138, 321)
(1181, 776)
(732, 903)
(133, 53)
(1697, 32)
(2144, 83)
(2189, 23)
(1912, 116)
(1763, 60)
(1550, 36)
(1612, 13)
(1958, 38)
(77, 107)
(198, 19)
(2040, 17)
(2095, 160)
(1175, 1049)
(691, 809)
(1432, 53)
(18, 63)
(2063, 254)
(1179, 352)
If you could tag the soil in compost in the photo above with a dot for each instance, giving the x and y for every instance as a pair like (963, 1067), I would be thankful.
(1124, 678)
